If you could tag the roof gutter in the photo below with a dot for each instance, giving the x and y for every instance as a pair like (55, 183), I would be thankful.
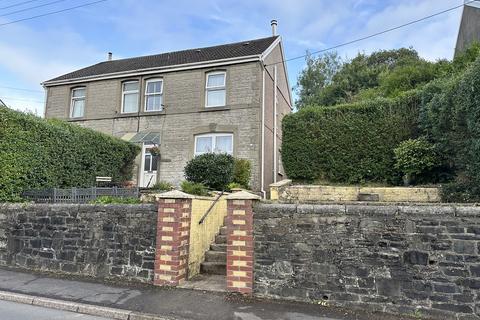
(146, 71)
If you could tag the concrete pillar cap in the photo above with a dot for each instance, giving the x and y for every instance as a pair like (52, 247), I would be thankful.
(175, 194)
(243, 195)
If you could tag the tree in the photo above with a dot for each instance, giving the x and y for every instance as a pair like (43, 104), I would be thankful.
(327, 80)
(317, 75)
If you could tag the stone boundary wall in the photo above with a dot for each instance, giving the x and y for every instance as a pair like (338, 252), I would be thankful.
(285, 192)
(102, 241)
(420, 260)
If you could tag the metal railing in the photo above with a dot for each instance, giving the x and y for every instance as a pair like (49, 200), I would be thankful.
(77, 195)
(205, 215)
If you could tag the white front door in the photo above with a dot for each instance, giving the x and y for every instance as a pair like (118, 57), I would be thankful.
(148, 172)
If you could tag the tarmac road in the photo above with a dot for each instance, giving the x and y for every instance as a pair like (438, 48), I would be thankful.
(17, 311)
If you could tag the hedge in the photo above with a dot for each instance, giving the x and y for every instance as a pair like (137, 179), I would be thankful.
(37, 153)
(451, 119)
(350, 143)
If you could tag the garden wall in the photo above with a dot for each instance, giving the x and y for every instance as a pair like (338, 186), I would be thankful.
(284, 192)
(421, 260)
(102, 241)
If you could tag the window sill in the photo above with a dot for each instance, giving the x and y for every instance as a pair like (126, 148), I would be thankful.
(209, 109)
(76, 119)
(152, 113)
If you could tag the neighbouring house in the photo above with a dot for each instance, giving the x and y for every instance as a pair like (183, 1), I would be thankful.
(227, 98)
(469, 31)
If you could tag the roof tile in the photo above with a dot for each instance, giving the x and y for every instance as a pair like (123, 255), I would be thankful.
(226, 51)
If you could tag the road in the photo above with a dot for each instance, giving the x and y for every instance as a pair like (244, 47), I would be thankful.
(17, 311)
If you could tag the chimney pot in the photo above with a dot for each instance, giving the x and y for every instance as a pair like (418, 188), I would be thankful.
(274, 24)
(110, 56)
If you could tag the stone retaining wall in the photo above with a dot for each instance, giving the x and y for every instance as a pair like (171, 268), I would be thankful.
(103, 241)
(421, 260)
(285, 192)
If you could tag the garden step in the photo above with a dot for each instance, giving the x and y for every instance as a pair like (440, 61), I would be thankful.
(214, 268)
(222, 247)
(216, 256)
(221, 239)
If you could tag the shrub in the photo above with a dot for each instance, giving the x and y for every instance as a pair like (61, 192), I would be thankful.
(37, 154)
(163, 186)
(234, 185)
(115, 200)
(348, 143)
(242, 170)
(195, 188)
(414, 157)
(213, 170)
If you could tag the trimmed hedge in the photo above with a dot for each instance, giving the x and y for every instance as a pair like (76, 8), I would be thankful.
(452, 121)
(350, 143)
(37, 153)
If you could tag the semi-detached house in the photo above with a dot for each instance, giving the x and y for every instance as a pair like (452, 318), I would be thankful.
(228, 98)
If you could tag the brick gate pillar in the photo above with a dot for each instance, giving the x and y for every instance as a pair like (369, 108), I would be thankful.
(240, 242)
(173, 233)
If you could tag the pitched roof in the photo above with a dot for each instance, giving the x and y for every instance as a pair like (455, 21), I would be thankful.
(226, 51)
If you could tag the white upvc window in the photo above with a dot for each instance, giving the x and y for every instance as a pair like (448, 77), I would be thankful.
(215, 89)
(154, 95)
(77, 103)
(214, 142)
(130, 93)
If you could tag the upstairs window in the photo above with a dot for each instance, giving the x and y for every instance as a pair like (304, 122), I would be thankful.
(130, 97)
(77, 103)
(154, 95)
(215, 92)
(215, 142)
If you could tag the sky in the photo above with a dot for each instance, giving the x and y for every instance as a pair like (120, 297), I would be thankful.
(36, 50)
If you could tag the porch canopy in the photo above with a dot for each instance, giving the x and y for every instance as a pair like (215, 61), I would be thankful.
(143, 137)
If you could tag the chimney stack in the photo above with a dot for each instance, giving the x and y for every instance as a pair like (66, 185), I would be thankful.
(274, 24)
(110, 56)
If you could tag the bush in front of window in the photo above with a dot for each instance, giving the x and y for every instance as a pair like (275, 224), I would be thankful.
(213, 170)
(195, 188)
(39, 154)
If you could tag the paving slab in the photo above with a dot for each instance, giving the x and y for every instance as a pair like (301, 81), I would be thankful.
(171, 303)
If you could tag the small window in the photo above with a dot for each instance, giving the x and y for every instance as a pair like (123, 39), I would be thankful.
(216, 143)
(77, 103)
(154, 95)
(130, 97)
(215, 92)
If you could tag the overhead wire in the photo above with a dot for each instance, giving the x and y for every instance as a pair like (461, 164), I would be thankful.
(372, 35)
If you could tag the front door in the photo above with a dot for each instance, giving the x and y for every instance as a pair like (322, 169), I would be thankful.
(148, 172)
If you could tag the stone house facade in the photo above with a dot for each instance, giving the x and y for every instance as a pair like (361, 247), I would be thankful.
(228, 98)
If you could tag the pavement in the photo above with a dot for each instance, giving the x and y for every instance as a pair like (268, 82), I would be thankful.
(130, 301)
(17, 311)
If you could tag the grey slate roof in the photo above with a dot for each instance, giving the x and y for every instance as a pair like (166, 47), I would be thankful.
(232, 50)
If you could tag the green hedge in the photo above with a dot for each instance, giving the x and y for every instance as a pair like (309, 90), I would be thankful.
(37, 153)
(451, 119)
(350, 143)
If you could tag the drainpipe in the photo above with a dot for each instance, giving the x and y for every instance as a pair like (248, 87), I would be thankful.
(275, 124)
(262, 177)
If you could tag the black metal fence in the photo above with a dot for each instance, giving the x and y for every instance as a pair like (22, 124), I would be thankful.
(78, 195)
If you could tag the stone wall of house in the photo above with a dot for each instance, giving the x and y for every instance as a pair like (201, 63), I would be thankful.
(101, 241)
(421, 260)
(184, 115)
